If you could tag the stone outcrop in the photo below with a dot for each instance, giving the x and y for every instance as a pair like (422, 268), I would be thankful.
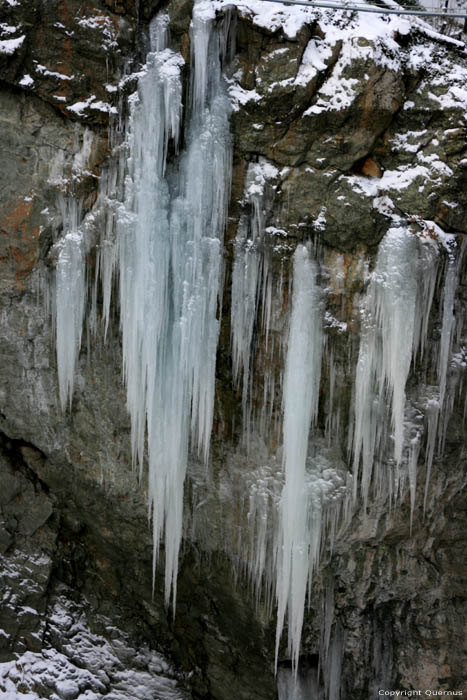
(361, 132)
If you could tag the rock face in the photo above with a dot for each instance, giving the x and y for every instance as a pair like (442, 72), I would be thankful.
(347, 127)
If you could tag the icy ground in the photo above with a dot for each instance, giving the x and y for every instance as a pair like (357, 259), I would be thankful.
(76, 662)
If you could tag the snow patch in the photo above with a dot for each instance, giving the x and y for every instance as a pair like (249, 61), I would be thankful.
(26, 80)
(240, 97)
(9, 46)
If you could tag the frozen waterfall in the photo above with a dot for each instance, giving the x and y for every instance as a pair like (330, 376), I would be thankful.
(166, 240)
(170, 239)
(162, 238)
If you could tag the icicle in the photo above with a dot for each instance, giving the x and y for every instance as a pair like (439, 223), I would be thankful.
(264, 487)
(159, 31)
(428, 265)
(448, 325)
(245, 282)
(439, 408)
(412, 469)
(251, 284)
(328, 615)
(107, 250)
(386, 346)
(144, 240)
(301, 393)
(70, 293)
(170, 259)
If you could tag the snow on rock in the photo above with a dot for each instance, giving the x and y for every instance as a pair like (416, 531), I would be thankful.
(9, 46)
(314, 60)
(42, 70)
(26, 81)
(240, 97)
(446, 85)
(79, 108)
(76, 662)
(7, 28)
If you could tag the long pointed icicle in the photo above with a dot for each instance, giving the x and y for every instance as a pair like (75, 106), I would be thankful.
(301, 394)
(70, 300)
(170, 245)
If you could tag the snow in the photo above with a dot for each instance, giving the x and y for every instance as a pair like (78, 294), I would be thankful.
(393, 181)
(7, 28)
(85, 664)
(446, 86)
(103, 107)
(79, 108)
(331, 322)
(240, 97)
(314, 60)
(319, 224)
(379, 47)
(53, 74)
(96, 22)
(9, 46)
(26, 80)
(409, 141)
(101, 23)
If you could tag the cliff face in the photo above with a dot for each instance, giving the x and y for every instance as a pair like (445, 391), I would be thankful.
(344, 128)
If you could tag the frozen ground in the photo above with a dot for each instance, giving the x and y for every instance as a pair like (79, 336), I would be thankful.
(77, 662)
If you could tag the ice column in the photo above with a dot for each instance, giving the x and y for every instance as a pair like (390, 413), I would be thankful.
(170, 241)
(70, 297)
(300, 398)
(388, 339)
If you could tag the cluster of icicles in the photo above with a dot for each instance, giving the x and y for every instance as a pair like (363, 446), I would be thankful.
(165, 237)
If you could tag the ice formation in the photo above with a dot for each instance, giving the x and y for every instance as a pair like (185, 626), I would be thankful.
(387, 343)
(251, 284)
(70, 297)
(165, 236)
(298, 543)
(439, 406)
(170, 247)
